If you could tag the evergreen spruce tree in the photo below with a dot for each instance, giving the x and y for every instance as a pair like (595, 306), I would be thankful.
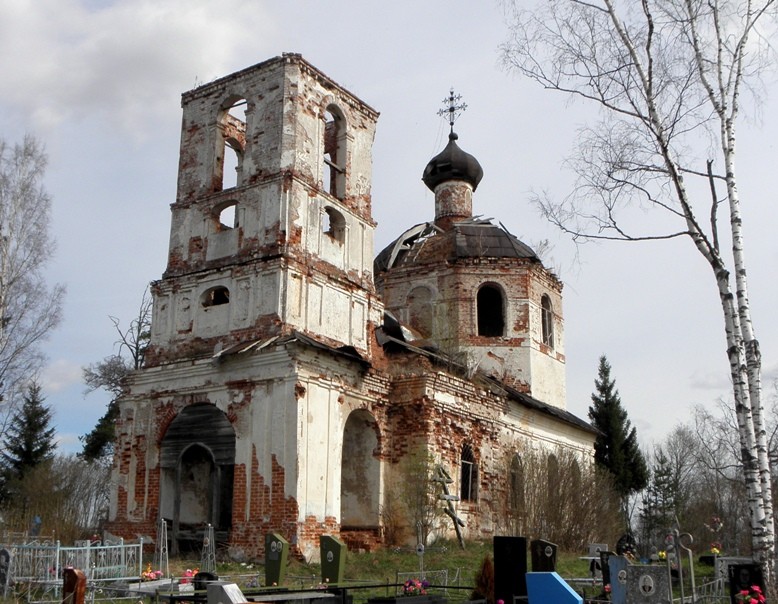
(616, 448)
(658, 511)
(29, 440)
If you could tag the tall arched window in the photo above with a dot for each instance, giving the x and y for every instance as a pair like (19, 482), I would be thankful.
(334, 175)
(547, 320)
(468, 484)
(231, 145)
(491, 317)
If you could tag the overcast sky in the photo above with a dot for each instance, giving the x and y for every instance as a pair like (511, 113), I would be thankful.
(100, 83)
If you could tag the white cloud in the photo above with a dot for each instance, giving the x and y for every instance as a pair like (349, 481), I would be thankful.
(60, 60)
(60, 375)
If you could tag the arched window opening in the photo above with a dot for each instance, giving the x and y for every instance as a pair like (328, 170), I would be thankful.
(468, 483)
(516, 486)
(491, 320)
(334, 224)
(334, 168)
(215, 296)
(227, 216)
(547, 320)
(232, 127)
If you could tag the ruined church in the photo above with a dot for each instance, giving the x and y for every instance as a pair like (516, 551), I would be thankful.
(291, 370)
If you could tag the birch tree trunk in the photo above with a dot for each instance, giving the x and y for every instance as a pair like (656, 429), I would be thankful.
(667, 75)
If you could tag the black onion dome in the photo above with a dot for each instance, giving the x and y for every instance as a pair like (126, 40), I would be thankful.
(452, 164)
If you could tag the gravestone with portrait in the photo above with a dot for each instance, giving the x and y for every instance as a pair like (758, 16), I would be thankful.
(333, 559)
(617, 569)
(648, 585)
(510, 568)
(543, 554)
(276, 555)
(724, 562)
(742, 577)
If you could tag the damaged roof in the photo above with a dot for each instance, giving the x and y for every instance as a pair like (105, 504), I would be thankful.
(473, 238)
(387, 337)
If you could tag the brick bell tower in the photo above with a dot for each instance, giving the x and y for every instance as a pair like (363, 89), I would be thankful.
(268, 279)
(272, 228)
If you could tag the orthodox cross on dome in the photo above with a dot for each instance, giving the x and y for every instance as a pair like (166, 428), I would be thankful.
(453, 108)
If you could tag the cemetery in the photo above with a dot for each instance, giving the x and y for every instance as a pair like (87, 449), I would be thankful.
(507, 569)
(297, 391)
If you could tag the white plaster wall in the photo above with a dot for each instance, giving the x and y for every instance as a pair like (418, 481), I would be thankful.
(269, 423)
(548, 379)
(326, 308)
(321, 429)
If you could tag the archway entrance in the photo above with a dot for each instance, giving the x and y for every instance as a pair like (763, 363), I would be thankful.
(197, 460)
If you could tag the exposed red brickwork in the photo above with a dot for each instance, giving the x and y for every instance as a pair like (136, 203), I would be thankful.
(283, 268)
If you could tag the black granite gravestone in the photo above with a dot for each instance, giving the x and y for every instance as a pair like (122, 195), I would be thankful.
(742, 577)
(510, 568)
(543, 554)
(605, 567)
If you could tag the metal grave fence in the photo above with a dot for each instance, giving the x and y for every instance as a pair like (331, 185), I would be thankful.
(42, 564)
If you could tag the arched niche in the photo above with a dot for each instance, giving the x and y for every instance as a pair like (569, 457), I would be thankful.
(360, 472)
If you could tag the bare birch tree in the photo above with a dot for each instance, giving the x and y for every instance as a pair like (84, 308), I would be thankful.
(29, 308)
(668, 76)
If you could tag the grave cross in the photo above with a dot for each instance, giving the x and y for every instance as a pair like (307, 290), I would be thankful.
(444, 478)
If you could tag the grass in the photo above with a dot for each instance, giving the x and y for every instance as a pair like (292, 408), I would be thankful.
(379, 569)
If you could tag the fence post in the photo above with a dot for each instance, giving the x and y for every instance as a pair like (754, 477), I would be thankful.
(56, 561)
